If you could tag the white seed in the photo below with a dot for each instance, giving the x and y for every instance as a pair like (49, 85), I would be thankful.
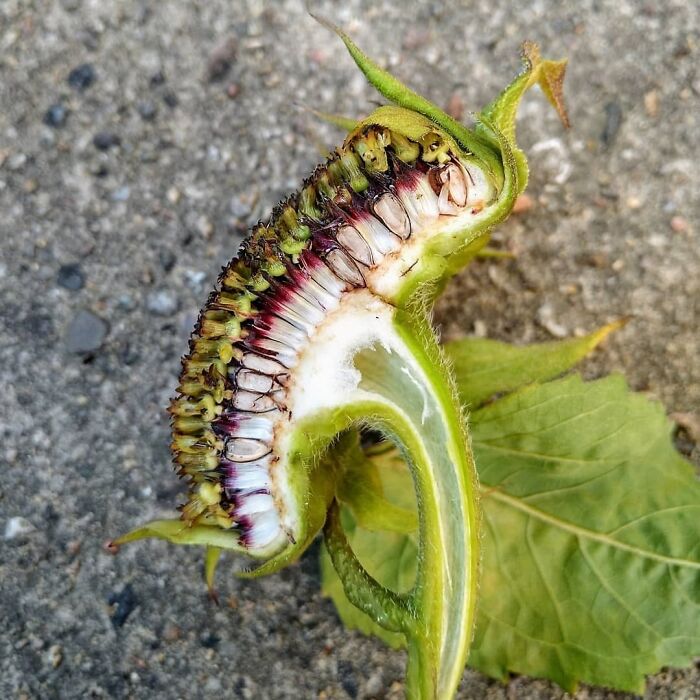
(252, 381)
(254, 403)
(378, 236)
(257, 427)
(263, 529)
(254, 503)
(246, 449)
(313, 290)
(420, 201)
(444, 204)
(356, 246)
(247, 479)
(344, 266)
(391, 212)
(278, 328)
(318, 270)
(280, 351)
(294, 317)
(456, 179)
(297, 310)
(261, 364)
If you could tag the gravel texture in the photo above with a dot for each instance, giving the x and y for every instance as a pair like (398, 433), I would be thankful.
(138, 141)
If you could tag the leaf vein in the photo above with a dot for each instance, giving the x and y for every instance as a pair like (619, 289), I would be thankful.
(583, 532)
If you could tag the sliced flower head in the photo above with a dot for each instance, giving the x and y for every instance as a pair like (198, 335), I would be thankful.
(318, 325)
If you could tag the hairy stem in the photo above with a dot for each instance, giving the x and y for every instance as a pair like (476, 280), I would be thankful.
(404, 390)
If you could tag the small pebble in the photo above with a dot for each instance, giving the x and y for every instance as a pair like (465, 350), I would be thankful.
(480, 329)
(239, 208)
(170, 99)
(162, 303)
(613, 121)
(455, 107)
(679, 224)
(17, 161)
(174, 195)
(690, 422)
(124, 602)
(121, 194)
(171, 632)
(232, 90)
(209, 640)
(70, 277)
(16, 527)
(82, 77)
(545, 317)
(415, 38)
(212, 686)
(158, 78)
(128, 354)
(220, 59)
(104, 140)
(126, 302)
(167, 259)
(348, 679)
(374, 684)
(205, 227)
(85, 333)
(318, 56)
(147, 110)
(55, 655)
(195, 279)
(523, 204)
(651, 103)
(55, 115)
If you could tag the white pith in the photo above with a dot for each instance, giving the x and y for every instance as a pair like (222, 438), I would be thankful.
(310, 345)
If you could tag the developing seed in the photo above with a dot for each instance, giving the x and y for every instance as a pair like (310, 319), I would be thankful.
(253, 503)
(246, 449)
(255, 403)
(380, 239)
(391, 212)
(454, 176)
(278, 329)
(256, 427)
(281, 351)
(419, 200)
(349, 237)
(343, 266)
(252, 381)
(261, 364)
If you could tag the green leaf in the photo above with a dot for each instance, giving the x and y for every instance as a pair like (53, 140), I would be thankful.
(591, 568)
(361, 489)
(591, 565)
(484, 367)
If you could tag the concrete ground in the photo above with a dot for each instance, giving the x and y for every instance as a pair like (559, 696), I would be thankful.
(138, 141)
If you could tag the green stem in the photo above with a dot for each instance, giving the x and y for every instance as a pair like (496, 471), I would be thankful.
(385, 607)
(408, 395)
